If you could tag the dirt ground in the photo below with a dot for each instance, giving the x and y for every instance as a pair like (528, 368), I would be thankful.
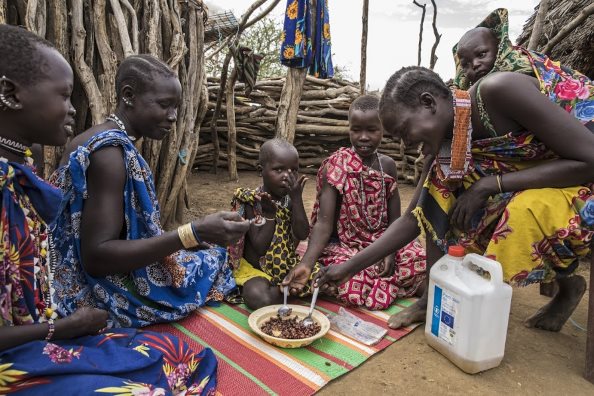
(536, 362)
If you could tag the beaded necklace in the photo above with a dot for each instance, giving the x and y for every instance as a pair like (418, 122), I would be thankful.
(44, 268)
(18, 149)
(118, 121)
(454, 157)
(282, 203)
(378, 223)
(43, 262)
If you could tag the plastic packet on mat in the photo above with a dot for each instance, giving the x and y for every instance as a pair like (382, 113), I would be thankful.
(351, 326)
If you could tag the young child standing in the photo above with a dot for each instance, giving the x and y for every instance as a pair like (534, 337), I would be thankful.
(356, 201)
(267, 253)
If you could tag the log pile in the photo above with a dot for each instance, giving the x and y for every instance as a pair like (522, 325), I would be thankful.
(322, 126)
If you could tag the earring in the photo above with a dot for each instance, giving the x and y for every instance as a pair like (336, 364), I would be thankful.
(6, 103)
(127, 102)
(3, 101)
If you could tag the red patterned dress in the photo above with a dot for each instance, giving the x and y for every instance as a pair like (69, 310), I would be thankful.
(345, 171)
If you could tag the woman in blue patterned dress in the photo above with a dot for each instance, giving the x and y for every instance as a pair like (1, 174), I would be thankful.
(108, 236)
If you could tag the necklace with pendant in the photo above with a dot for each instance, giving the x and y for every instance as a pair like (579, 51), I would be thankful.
(382, 209)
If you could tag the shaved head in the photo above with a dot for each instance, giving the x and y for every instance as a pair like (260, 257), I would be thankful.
(274, 147)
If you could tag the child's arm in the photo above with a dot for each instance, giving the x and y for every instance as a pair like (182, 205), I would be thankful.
(394, 209)
(318, 239)
(299, 222)
(261, 236)
(427, 162)
(386, 267)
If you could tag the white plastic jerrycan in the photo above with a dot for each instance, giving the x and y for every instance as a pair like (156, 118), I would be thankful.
(468, 310)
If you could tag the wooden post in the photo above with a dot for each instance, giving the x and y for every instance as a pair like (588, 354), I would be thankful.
(543, 8)
(217, 111)
(589, 374)
(244, 23)
(364, 20)
(232, 133)
(433, 59)
(3, 11)
(424, 7)
(288, 104)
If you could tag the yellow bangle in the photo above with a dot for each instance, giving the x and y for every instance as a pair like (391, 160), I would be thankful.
(498, 177)
(186, 236)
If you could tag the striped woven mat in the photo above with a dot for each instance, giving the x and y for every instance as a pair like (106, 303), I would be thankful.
(248, 365)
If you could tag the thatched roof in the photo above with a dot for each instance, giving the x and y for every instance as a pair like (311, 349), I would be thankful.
(577, 49)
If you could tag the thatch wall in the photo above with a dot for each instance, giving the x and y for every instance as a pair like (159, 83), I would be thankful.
(577, 49)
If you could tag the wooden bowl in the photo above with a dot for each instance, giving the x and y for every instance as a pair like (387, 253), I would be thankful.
(258, 317)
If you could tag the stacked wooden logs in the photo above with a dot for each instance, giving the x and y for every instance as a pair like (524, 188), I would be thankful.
(322, 126)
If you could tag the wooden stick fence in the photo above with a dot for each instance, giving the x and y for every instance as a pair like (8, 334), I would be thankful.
(322, 126)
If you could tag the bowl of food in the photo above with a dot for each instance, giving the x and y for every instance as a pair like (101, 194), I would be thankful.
(288, 331)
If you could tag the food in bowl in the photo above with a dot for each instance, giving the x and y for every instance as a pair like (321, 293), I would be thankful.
(290, 328)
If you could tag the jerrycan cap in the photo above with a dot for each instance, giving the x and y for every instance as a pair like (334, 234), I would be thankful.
(456, 251)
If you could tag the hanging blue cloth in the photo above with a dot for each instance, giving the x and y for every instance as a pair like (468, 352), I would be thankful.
(163, 291)
(301, 48)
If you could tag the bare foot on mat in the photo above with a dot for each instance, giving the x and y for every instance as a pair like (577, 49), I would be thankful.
(409, 315)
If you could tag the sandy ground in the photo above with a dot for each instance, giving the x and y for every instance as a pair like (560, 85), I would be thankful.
(536, 362)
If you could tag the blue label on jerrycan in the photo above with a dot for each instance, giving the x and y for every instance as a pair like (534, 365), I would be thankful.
(436, 311)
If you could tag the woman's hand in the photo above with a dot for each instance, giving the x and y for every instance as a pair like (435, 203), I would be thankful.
(221, 228)
(329, 279)
(297, 278)
(84, 321)
(385, 268)
(471, 201)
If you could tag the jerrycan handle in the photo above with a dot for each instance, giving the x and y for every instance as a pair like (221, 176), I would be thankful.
(491, 266)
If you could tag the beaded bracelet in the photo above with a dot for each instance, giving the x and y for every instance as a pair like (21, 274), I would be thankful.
(51, 330)
(186, 236)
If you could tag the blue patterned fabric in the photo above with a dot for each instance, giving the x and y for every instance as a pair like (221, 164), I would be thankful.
(321, 66)
(122, 362)
(299, 49)
(119, 362)
(160, 292)
(28, 204)
(587, 214)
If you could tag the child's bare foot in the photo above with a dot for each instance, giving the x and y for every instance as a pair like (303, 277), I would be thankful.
(553, 315)
(409, 315)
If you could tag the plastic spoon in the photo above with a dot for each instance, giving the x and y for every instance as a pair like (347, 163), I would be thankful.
(308, 321)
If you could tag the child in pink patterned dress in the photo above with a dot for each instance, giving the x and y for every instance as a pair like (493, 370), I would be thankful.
(357, 199)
